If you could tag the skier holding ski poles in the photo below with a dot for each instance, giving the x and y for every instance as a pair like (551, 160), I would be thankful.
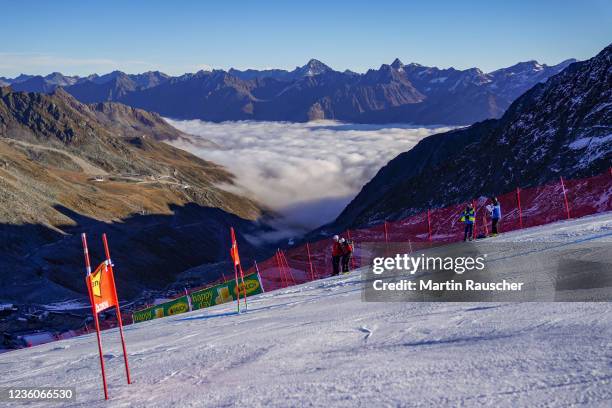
(468, 216)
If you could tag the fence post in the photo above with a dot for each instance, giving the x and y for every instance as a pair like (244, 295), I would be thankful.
(282, 264)
(565, 198)
(518, 200)
(386, 234)
(386, 237)
(259, 276)
(429, 224)
(486, 226)
(286, 264)
(280, 270)
(310, 261)
(474, 226)
(188, 300)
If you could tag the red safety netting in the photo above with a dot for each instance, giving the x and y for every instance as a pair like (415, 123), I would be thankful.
(521, 208)
(589, 196)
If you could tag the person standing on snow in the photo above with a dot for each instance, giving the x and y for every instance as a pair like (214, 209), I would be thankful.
(495, 215)
(347, 254)
(336, 255)
(468, 216)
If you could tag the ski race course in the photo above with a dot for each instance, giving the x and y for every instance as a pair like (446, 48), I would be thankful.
(318, 344)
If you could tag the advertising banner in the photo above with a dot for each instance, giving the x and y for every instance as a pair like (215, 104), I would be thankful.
(224, 292)
(176, 306)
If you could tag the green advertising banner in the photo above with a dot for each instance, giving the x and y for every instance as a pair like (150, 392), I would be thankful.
(176, 306)
(224, 292)
(214, 295)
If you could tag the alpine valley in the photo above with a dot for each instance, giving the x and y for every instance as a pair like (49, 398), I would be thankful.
(88, 154)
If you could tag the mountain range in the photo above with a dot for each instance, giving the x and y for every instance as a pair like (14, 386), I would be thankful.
(559, 128)
(393, 93)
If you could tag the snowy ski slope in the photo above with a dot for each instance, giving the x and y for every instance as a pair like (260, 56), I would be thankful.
(318, 344)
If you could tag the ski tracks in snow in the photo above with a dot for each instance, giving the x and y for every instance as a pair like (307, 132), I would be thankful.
(367, 331)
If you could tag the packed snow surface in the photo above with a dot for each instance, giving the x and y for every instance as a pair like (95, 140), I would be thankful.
(318, 344)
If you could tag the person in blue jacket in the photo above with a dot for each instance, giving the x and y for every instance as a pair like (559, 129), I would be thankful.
(468, 216)
(495, 215)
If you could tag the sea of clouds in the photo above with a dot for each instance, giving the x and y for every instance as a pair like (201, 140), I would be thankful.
(308, 172)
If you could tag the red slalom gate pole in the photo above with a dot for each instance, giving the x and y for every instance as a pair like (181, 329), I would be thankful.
(95, 314)
(567, 210)
(312, 277)
(429, 223)
(518, 201)
(246, 306)
(237, 265)
(241, 272)
(117, 309)
(86, 254)
(237, 288)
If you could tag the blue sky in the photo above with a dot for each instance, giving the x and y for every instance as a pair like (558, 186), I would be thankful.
(82, 37)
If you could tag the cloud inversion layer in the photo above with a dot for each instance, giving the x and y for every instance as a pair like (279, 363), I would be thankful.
(306, 171)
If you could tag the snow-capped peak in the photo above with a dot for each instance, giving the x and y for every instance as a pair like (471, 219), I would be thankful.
(397, 65)
(312, 68)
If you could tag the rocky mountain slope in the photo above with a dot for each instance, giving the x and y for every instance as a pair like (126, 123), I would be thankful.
(127, 121)
(561, 127)
(393, 93)
(67, 168)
